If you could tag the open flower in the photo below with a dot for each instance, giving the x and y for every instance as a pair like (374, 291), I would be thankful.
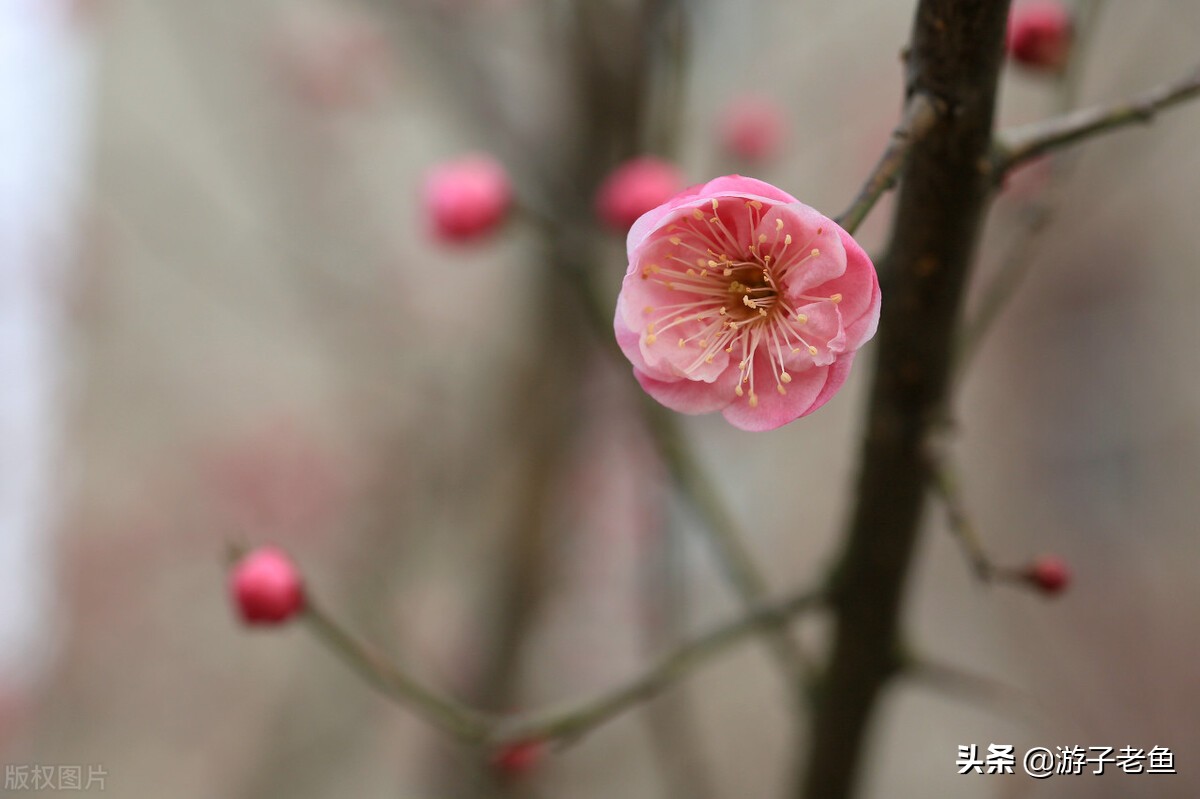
(742, 299)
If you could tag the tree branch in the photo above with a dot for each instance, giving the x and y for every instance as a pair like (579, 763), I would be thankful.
(945, 483)
(444, 713)
(472, 727)
(920, 112)
(1028, 142)
(721, 531)
(575, 721)
(955, 56)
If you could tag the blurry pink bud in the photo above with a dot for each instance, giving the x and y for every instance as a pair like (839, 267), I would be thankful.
(266, 587)
(467, 198)
(634, 188)
(1049, 574)
(518, 759)
(1039, 35)
(752, 129)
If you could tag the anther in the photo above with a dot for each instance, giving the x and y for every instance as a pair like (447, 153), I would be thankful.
(835, 299)
(788, 238)
(779, 387)
(785, 377)
(753, 400)
(812, 350)
(779, 224)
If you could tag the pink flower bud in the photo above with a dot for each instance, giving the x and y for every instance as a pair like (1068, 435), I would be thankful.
(739, 298)
(634, 188)
(467, 198)
(1049, 574)
(518, 759)
(1039, 35)
(752, 129)
(266, 587)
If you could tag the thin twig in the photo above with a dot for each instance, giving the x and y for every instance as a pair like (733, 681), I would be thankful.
(945, 484)
(1028, 142)
(979, 689)
(472, 727)
(1003, 286)
(920, 113)
(443, 712)
(722, 532)
(574, 721)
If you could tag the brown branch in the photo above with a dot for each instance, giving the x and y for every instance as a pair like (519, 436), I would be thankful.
(470, 726)
(444, 713)
(978, 689)
(945, 483)
(955, 56)
(723, 534)
(575, 721)
(920, 112)
(1028, 142)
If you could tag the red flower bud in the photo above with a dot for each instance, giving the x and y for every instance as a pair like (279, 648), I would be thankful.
(1049, 574)
(518, 759)
(467, 198)
(1039, 36)
(266, 587)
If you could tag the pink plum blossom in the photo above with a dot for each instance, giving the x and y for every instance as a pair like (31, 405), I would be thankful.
(467, 198)
(1039, 35)
(741, 299)
(752, 129)
(634, 188)
(266, 587)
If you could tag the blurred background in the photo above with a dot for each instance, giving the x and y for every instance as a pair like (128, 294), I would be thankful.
(223, 319)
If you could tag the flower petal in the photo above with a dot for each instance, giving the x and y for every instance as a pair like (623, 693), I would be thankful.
(690, 396)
